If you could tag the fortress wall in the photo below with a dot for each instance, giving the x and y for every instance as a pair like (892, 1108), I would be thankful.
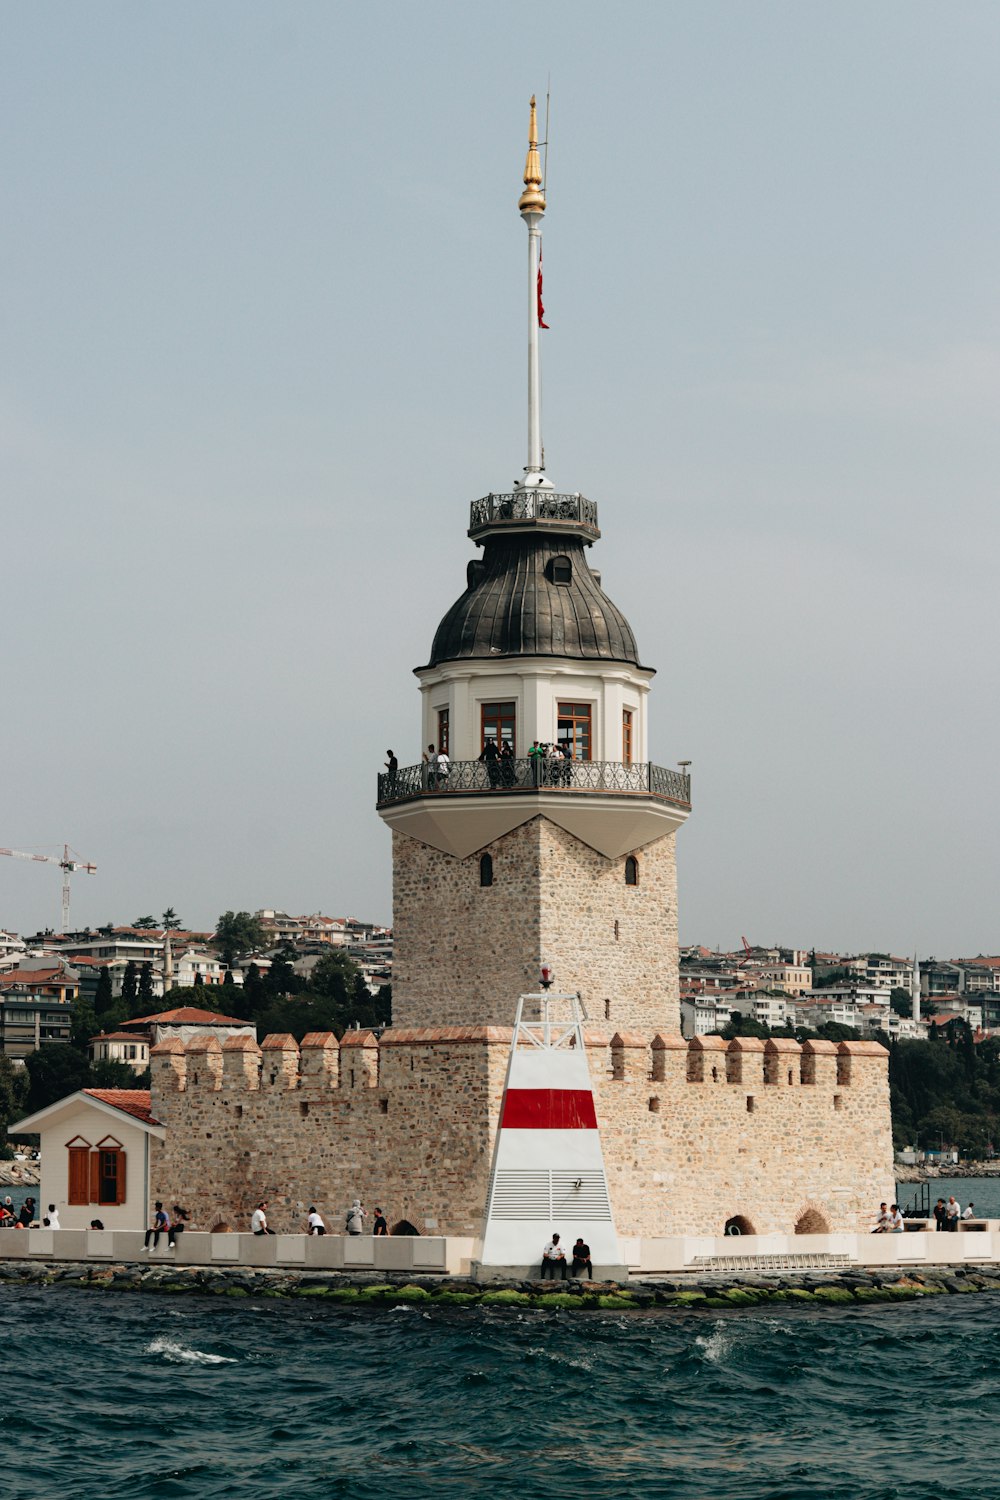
(416, 1140)
(410, 1123)
(461, 950)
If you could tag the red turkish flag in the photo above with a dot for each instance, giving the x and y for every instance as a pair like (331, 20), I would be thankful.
(541, 310)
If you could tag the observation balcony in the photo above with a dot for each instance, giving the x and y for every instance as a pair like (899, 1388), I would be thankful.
(534, 510)
(503, 778)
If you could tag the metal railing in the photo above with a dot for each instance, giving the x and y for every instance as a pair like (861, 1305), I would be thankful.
(532, 505)
(535, 773)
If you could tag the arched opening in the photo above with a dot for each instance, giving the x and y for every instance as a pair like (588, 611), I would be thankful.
(737, 1225)
(486, 869)
(221, 1228)
(560, 570)
(404, 1227)
(654, 1105)
(631, 870)
(811, 1221)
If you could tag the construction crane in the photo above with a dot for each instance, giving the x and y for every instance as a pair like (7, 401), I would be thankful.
(69, 864)
(746, 947)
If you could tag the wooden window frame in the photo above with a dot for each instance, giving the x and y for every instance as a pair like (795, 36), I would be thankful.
(627, 726)
(443, 740)
(78, 1167)
(112, 1149)
(500, 719)
(576, 713)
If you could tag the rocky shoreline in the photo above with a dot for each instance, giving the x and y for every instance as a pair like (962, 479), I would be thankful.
(711, 1291)
(20, 1174)
(930, 1174)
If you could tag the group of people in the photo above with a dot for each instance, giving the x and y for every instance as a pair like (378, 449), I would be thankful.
(550, 763)
(171, 1224)
(947, 1216)
(555, 1264)
(436, 767)
(315, 1224)
(22, 1218)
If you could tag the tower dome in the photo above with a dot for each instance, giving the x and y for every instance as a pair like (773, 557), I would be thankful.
(534, 594)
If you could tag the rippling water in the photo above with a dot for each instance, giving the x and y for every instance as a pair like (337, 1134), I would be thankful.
(130, 1395)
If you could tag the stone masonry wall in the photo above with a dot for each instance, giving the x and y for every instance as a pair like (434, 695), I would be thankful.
(464, 952)
(693, 1133)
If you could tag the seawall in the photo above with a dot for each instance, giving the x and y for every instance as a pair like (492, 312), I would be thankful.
(710, 1293)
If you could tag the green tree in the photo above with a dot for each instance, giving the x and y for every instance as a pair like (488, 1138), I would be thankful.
(740, 1025)
(238, 934)
(144, 992)
(111, 1074)
(84, 1024)
(104, 998)
(55, 1070)
(171, 921)
(281, 978)
(144, 922)
(228, 982)
(130, 988)
(901, 1001)
(13, 1095)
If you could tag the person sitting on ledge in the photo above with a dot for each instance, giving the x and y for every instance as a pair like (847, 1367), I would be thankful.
(258, 1219)
(970, 1212)
(896, 1225)
(315, 1222)
(553, 1256)
(953, 1212)
(581, 1259)
(882, 1222)
(380, 1228)
(940, 1215)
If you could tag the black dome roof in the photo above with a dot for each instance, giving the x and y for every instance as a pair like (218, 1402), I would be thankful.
(514, 607)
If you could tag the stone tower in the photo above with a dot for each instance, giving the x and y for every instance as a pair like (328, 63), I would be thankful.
(507, 861)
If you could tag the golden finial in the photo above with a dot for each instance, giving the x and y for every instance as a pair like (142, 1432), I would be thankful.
(532, 200)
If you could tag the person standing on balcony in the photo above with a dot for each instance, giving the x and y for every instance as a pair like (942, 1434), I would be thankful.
(536, 755)
(443, 767)
(391, 768)
(490, 758)
(508, 766)
(430, 769)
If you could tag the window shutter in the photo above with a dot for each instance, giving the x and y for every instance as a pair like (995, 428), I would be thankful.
(95, 1177)
(120, 1198)
(79, 1175)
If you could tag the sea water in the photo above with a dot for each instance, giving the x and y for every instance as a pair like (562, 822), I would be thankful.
(137, 1396)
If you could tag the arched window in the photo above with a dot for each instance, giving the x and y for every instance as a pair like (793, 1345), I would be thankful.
(631, 870)
(560, 570)
(486, 870)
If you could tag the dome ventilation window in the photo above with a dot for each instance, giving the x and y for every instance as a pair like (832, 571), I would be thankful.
(475, 573)
(559, 570)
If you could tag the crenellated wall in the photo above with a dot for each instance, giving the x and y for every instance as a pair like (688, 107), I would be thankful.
(694, 1133)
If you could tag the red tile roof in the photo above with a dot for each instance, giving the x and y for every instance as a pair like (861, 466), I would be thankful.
(187, 1015)
(116, 1036)
(134, 1102)
(34, 976)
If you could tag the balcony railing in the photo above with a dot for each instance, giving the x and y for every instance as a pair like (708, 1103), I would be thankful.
(533, 505)
(535, 774)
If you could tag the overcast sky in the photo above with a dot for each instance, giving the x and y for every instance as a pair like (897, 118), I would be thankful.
(263, 340)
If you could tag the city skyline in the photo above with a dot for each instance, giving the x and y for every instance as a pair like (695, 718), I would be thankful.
(264, 335)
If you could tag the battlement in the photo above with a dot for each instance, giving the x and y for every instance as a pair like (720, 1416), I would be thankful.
(364, 1059)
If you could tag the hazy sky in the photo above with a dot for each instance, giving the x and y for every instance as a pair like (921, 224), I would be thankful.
(263, 340)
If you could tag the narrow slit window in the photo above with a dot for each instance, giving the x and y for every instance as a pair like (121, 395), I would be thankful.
(486, 870)
(631, 870)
